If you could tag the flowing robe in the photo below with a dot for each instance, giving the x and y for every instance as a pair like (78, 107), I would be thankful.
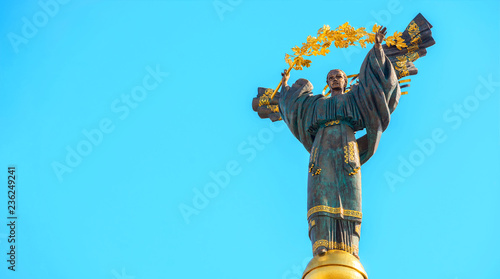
(326, 127)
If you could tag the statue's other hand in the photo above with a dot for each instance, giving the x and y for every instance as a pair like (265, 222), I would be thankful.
(285, 77)
(380, 36)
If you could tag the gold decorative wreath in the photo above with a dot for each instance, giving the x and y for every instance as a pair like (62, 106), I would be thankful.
(341, 37)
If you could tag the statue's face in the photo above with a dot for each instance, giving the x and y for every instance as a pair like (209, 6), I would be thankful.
(336, 80)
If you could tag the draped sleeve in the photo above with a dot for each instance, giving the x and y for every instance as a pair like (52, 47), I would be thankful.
(377, 95)
(297, 105)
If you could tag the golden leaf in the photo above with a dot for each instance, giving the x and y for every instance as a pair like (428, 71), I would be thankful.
(306, 63)
(400, 46)
(344, 26)
(400, 43)
(390, 41)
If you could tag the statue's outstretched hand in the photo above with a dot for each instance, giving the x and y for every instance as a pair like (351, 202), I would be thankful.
(285, 77)
(380, 36)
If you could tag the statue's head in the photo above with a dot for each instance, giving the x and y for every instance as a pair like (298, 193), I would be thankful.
(337, 80)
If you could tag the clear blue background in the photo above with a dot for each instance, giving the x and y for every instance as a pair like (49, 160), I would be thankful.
(117, 214)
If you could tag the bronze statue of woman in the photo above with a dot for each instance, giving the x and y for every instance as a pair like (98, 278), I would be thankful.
(326, 126)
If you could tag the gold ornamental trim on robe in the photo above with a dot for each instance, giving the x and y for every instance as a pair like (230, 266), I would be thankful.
(335, 245)
(265, 101)
(412, 55)
(334, 210)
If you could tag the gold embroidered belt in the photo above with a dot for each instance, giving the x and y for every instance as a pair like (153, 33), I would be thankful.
(334, 210)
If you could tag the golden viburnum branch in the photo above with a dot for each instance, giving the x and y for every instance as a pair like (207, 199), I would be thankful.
(281, 82)
(341, 37)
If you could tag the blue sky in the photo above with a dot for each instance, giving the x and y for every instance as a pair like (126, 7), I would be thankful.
(121, 115)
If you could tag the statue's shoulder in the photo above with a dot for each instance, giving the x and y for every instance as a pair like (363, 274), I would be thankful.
(303, 84)
(303, 81)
